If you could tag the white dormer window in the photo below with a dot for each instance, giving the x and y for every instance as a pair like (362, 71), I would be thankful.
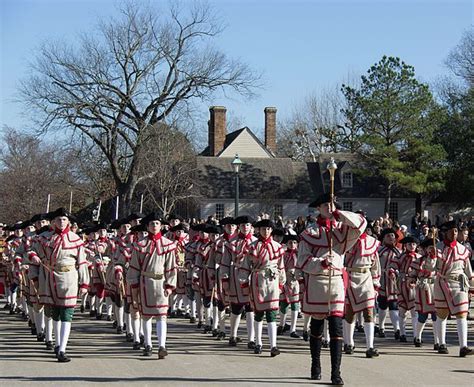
(347, 179)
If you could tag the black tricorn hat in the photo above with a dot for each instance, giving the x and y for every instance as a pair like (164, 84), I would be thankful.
(175, 216)
(227, 220)
(38, 217)
(264, 223)
(386, 231)
(410, 239)
(62, 212)
(428, 242)
(289, 237)
(324, 198)
(135, 216)
(244, 219)
(178, 227)
(211, 229)
(151, 217)
(448, 225)
(138, 228)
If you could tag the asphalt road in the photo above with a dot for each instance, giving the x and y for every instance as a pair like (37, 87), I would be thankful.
(102, 357)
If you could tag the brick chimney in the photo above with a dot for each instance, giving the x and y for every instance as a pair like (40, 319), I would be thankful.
(217, 129)
(270, 129)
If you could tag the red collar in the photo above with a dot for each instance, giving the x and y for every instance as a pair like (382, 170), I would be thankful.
(154, 237)
(325, 222)
(205, 241)
(228, 237)
(243, 236)
(59, 232)
(449, 244)
(363, 236)
(266, 241)
(103, 239)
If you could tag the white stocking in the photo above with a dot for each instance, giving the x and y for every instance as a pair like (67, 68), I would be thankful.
(65, 331)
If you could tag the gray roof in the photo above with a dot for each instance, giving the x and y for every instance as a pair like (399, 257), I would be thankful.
(278, 178)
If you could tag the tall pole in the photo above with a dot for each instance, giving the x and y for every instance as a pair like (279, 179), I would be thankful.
(49, 200)
(117, 207)
(236, 210)
(332, 169)
(141, 204)
(70, 202)
(98, 210)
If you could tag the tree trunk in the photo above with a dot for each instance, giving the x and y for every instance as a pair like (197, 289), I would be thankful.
(419, 204)
(388, 198)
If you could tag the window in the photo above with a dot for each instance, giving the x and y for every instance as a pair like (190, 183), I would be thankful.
(347, 206)
(347, 179)
(393, 210)
(219, 211)
(277, 211)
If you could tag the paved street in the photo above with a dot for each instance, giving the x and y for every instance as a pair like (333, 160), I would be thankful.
(101, 357)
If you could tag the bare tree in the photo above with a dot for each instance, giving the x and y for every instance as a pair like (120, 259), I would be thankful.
(461, 58)
(133, 72)
(30, 171)
(169, 166)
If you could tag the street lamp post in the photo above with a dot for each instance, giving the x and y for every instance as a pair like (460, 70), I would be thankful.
(236, 164)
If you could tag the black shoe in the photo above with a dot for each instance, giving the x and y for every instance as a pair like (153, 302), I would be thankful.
(11, 311)
(381, 333)
(305, 336)
(443, 349)
(251, 345)
(417, 343)
(337, 381)
(274, 352)
(280, 330)
(295, 335)
(257, 350)
(109, 318)
(192, 320)
(325, 344)
(238, 339)
(436, 347)
(119, 330)
(403, 339)
(316, 376)
(348, 349)
(397, 335)
(162, 353)
(187, 315)
(359, 328)
(114, 324)
(7, 306)
(221, 336)
(148, 351)
(199, 325)
(136, 346)
(173, 314)
(33, 330)
(40, 337)
(129, 338)
(62, 358)
(465, 351)
(232, 342)
(371, 352)
(142, 339)
(286, 328)
(49, 345)
(215, 333)
(82, 309)
(30, 323)
(88, 305)
(376, 329)
(56, 350)
(92, 313)
(207, 329)
(98, 316)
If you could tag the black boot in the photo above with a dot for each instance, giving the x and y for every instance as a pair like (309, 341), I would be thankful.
(336, 356)
(315, 347)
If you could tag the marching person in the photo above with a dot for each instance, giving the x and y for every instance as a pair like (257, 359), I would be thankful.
(387, 297)
(152, 277)
(290, 294)
(363, 268)
(453, 282)
(324, 287)
(400, 269)
(424, 270)
(239, 298)
(263, 272)
(67, 276)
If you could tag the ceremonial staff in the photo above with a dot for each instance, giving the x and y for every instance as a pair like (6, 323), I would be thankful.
(331, 167)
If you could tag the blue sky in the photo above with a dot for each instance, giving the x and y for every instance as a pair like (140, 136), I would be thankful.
(301, 46)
